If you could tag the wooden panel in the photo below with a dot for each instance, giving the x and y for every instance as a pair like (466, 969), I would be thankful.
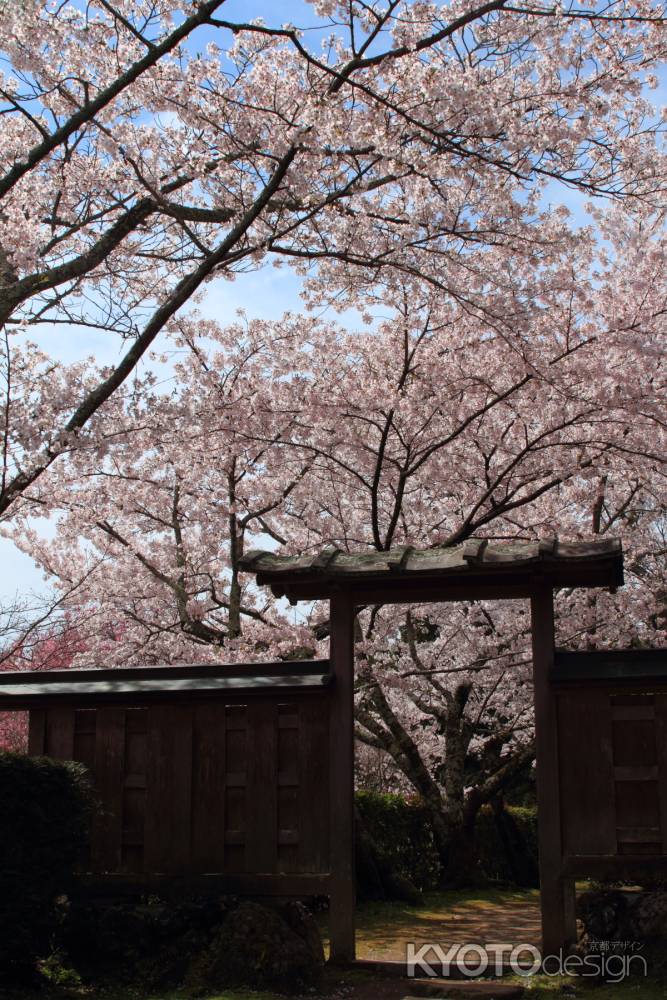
(288, 787)
(288, 838)
(85, 722)
(637, 804)
(650, 847)
(636, 773)
(208, 788)
(60, 732)
(314, 786)
(232, 785)
(638, 834)
(631, 699)
(634, 742)
(261, 802)
(37, 732)
(625, 713)
(109, 765)
(638, 752)
(168, 788)
(134, 821)
(134, 789)
(136, 735)
(586, 772)
(84, 751)
(661, 749)
(236, 762)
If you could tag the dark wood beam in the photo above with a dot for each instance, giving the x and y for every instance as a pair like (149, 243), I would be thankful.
(408, 591)
(341, 723)
(609, 666)
(227, 884)
(615, 867)
(556, 891)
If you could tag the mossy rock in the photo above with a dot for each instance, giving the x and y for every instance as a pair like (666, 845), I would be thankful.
(630, 921)
(206, 944)
(260, 948)
(151, 942)
(621, 914)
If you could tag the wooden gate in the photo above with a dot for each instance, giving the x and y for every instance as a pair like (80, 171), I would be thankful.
(229, 781)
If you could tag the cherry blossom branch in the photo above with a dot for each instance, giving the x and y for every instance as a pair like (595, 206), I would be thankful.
(86, 113)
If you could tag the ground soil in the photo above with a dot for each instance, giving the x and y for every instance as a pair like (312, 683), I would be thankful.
(481, 917)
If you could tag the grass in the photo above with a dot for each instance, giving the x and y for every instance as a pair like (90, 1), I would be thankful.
(234, 995)
(124, 993)
(537, 988)
(541, 988)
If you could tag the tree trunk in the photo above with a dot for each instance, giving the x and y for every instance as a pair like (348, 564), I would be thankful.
(460, 867)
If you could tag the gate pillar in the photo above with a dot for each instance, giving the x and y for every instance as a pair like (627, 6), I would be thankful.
(557, 892)
(341, 728)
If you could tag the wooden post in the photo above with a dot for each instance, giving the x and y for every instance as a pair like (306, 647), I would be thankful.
(557, 893)
(341, 739)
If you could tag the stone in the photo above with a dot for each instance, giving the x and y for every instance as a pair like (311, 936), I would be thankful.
(260, 948)
(622, 915)
(301, 920)
(628, 921)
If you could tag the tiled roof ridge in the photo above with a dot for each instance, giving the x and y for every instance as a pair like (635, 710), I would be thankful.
(474, 552)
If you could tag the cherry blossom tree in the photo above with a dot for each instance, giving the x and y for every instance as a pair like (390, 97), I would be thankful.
(422, 430)
(51, 649)
(434, 438)
(504, 381)
(148, 149)
(180, 484)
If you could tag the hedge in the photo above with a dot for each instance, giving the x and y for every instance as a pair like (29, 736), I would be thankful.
(401, 830)
(402, 836)
(44, 809)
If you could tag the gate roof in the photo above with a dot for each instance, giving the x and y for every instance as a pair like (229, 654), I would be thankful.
(27, 689)
(474, 569)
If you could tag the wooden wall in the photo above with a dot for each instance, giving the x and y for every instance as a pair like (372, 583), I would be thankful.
(228, 785)
(612, 745)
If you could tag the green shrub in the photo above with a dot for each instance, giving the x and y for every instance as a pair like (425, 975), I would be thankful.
(44, 808)
(402, 834)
